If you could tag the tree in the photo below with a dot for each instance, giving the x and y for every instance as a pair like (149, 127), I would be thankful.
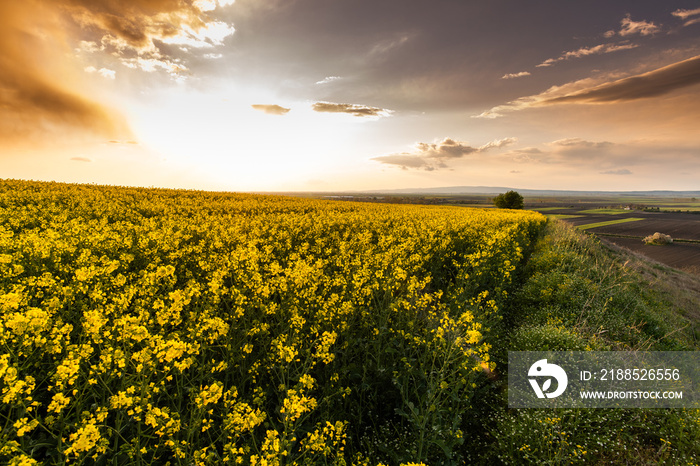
(509, 200)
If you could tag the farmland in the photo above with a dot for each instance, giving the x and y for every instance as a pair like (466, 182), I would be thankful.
(146, 326)
(605, 215)
(627, 227)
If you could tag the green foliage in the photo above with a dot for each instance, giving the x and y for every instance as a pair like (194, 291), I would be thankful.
(509, 200)
(577, 296)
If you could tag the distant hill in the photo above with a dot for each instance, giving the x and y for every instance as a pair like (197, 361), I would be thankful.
(531, 192)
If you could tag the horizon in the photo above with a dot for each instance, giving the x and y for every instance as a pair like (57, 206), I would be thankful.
(449, 190)
(307, 96)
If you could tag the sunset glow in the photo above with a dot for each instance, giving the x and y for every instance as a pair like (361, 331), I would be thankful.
(272, 95)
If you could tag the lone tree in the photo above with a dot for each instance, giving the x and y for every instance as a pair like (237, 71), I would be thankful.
(509, 200)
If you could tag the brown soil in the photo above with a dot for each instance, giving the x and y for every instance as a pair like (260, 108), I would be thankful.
(679, 226)
(680, 255)
(683, 256)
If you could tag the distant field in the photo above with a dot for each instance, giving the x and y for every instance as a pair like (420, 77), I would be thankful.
(610, 222)
(604, 211)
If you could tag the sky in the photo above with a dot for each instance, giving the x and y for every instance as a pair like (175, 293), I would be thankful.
(331, 95)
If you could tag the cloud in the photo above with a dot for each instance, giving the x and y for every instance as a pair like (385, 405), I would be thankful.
(39, 93)
(123, 142)
(104, 72)
(654, 83)
(586, 51)
(384, 46)
(271, 109)
(525, 155)
(148, 34)
(621, 171)
(352, 109)
(498, 143)
(515, 75)
(406, 161)
(642, 28)
(328, 79)
(81, 159)
(574, 143)
(685, 14)
(432, 156)
(41, 88)
(138, 23)
(574, 152)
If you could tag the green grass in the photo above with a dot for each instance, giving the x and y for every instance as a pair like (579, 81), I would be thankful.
(604, 211)
(609, 222)
(546, 209)
(578, 295)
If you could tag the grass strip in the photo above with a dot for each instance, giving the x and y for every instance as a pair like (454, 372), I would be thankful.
(604, 211)
(578, 295)
(609, 222)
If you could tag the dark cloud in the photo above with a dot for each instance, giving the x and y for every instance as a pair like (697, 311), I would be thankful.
(652, 84)
(271, 109)
(137, 22)
(432, 156)
(352, 109)
(149, 34)
(404, 55)
(38, 92)
(41, 86)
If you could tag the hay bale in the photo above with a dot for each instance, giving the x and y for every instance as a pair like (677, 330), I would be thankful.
(658, 238)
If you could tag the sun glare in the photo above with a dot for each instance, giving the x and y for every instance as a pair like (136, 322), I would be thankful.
(241, 147)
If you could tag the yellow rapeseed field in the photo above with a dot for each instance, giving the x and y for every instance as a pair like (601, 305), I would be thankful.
(145, 326)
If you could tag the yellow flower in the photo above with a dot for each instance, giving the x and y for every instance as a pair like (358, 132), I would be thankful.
(209, 394)
(84, 439)
(58, 402)
(24, 425)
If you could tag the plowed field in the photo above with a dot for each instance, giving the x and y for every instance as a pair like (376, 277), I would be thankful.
(684, 228)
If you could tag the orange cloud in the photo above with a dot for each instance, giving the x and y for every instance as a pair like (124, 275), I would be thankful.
(271, 109)
(652, 84)
(39, 91)
(432, 156)
(43, 87)
(655, 83)
(352, 109)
